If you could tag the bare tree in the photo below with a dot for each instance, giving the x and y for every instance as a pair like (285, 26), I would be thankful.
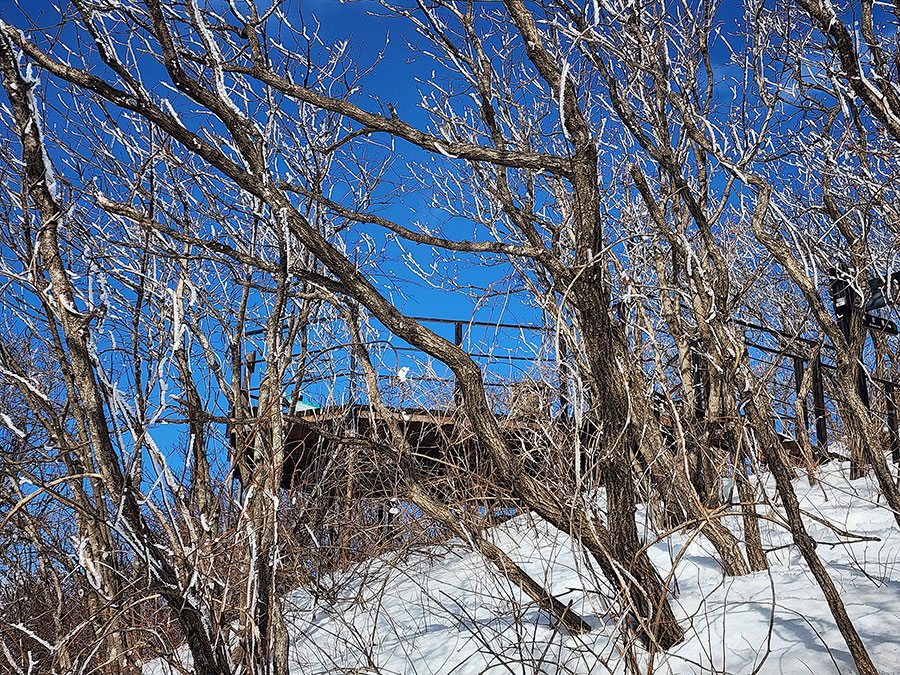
(210, 195)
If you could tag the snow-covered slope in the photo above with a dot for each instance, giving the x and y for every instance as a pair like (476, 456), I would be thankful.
(445, 612)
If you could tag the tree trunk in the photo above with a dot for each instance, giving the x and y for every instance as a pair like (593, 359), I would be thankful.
(759, 414)
(747, 494)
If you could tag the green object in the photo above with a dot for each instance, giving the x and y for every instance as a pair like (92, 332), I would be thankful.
(302, 406)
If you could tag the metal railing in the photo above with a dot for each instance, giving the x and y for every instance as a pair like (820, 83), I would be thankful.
(785, 355)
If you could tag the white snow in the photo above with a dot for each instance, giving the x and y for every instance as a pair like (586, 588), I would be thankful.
(32, 82)
(445, 611)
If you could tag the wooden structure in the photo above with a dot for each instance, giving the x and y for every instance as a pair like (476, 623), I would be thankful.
(313, 439)
(447, 451)
(352, 444)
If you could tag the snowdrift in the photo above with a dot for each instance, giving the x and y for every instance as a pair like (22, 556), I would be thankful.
(444, 611)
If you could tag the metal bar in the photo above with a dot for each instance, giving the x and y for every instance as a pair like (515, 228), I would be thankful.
(861, 384)
(500, 358)
(457, 339)
(770, 350)
(773, 350)
(821, 411)
(773, 331)
(261, 331)
(892, 422)
(427, 319)
(478, 355)
(486, 324)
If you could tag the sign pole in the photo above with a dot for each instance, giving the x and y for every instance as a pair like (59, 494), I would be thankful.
(845, 301)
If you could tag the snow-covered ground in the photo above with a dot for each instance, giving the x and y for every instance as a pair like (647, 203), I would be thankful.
(446, 612)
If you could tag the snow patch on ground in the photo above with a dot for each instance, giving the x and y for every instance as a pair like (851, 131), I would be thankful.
(446, 612)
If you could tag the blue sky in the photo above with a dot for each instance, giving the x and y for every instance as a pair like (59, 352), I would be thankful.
(393, 81)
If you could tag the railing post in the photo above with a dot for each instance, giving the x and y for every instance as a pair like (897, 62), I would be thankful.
(892, 421)
(246, 376)
(862, 386)
(819, 407)
(457, 340)
(798, 383)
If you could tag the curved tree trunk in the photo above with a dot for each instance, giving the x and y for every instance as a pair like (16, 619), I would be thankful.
(759, 414)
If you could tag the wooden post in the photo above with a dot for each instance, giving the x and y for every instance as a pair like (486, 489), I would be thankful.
(821, 412)
(457, 340)
(862, 386)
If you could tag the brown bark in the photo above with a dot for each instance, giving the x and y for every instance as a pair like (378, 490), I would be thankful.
(878, 94)
(435, 509)
(265, 648)
(747, 494)
(846, 363)
(759, 414)
(654, 611)
(75, 326)
(800, 412)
